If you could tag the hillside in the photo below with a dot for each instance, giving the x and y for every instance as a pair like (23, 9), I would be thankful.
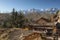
(13, 33)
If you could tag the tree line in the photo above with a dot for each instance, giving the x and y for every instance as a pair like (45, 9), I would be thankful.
(16, 20)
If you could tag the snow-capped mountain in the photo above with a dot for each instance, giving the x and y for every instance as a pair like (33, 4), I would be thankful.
(51, 10)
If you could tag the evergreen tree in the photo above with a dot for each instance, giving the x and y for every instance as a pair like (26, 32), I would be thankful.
(21, 19)
(14, 17)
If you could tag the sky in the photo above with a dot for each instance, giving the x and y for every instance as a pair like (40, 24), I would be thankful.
(8, 5)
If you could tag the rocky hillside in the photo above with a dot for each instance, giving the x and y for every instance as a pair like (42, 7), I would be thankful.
(13, 33)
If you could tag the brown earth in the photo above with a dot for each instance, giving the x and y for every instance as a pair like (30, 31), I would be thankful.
(17, 34)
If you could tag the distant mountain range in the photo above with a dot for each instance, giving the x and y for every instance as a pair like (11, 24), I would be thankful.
(51, 10)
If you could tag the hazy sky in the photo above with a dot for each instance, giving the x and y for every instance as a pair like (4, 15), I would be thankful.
(7, 5)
